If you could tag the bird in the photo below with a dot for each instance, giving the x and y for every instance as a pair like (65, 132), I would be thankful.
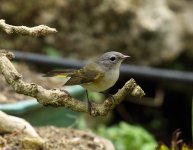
(96, 76)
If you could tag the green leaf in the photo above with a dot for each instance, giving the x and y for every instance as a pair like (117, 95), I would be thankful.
(52, 52)
(128, 137)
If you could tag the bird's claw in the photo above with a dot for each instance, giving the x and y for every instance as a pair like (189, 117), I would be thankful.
(89, 107)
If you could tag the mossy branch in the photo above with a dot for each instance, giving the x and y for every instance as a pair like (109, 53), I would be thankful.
(37, 31)
(58, 98)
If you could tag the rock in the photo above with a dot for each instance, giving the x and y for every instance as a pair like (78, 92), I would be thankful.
(184, 13)
(150, 31)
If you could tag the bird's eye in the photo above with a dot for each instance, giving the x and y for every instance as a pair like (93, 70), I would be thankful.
(112, 58)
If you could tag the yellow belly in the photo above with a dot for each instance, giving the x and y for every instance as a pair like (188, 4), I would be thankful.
(103, 84)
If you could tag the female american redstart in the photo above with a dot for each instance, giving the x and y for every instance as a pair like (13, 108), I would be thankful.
(96, 76)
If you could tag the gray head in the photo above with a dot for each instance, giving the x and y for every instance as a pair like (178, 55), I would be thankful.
(111, 60)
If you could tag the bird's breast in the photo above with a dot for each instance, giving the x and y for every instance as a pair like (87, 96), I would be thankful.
(103, 83)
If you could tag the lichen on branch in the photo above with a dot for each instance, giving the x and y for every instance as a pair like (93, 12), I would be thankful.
(36, 31)
(58, 98)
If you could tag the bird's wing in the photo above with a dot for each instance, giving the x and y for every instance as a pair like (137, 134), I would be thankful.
(60, 73)
(90, 73)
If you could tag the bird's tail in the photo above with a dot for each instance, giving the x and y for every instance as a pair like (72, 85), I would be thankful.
(60, 73)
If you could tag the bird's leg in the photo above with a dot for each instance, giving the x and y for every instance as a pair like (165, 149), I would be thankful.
(89, 103)
(109, 95)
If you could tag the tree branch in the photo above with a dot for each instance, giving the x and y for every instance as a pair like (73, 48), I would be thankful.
(37, 31)
(13, 125)
(58, 98)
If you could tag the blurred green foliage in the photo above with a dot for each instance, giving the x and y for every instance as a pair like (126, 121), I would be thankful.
(176, 143)
(164, 147)
(50, 51)
(128, 137)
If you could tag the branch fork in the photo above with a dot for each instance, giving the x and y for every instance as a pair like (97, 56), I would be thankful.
(58, 98)
(55, 97)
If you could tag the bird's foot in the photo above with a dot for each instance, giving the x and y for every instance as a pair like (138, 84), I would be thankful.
(89, 107)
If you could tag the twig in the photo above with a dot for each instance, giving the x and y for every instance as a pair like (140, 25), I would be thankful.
(10, 124)
(37, 31)
(13, 125)
(58, 98)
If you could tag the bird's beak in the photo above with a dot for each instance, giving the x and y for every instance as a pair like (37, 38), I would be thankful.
(125, 56)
